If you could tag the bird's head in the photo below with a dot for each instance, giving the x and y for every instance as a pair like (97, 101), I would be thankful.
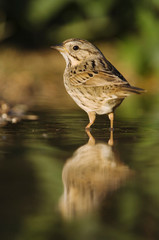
(75, 51)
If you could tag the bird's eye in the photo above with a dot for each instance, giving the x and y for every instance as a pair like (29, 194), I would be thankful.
(75, 47)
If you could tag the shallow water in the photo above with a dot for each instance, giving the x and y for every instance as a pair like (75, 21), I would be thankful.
(59, 182)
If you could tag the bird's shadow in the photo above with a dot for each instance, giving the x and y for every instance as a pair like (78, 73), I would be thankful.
(89, 175)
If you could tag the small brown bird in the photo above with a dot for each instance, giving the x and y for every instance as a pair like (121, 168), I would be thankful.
(92, 81)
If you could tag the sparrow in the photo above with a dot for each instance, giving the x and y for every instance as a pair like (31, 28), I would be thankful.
(92, 81)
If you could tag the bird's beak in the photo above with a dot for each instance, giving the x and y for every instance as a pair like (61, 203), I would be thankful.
(59, 47)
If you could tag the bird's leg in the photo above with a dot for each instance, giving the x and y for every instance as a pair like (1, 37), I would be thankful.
(92, 117)
(111, 118)
(111, 141)
(91, 140)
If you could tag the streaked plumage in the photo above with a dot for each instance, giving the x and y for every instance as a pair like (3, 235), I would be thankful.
(91, 80)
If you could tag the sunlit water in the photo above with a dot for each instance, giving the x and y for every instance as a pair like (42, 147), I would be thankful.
(59, 182)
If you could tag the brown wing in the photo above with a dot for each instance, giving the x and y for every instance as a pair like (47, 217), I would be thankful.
(100, 78)
(96, 79)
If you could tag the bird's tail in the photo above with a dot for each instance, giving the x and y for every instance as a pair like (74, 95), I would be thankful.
(132, 89)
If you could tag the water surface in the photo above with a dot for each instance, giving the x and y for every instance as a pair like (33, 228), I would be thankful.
(59, 182)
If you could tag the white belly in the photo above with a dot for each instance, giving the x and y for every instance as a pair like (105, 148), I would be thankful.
(92, 103)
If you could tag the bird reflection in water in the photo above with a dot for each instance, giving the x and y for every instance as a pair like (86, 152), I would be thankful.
(89, 175)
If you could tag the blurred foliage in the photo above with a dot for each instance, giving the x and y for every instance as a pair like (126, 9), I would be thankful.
(54, 20)
(127, 32)
(33, 153)
(132, 25)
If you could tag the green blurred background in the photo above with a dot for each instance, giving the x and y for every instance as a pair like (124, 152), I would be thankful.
(126, 31)
(33, 153)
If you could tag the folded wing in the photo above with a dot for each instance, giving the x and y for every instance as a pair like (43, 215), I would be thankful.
(101, 78)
